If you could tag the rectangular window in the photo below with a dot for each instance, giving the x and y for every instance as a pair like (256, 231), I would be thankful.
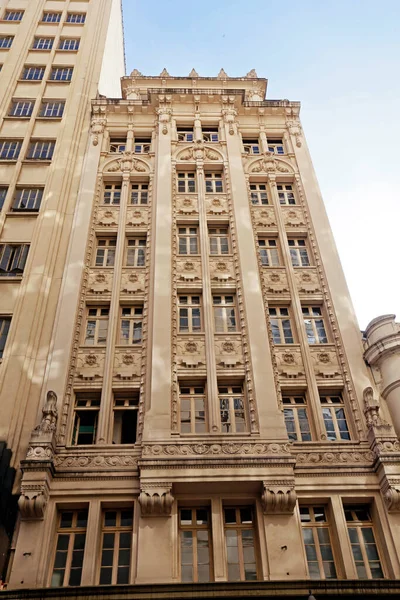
(363, 544)
(296, 419)
(317, 542)
(189, 314)
(21, 108)
(188, 240)
(117, 145)
(214, 183)
(210, 134)
(195, 545)
(6, 41)
(40, 43)
(185, 134)
(13, 15)
(224, 313)
(219, 240)
(334, 417)
(116, 544)
(105, 252)
(78, 18)
(52, 110)
(42, 150)
(61, 73)
(139, 193)
(276, 146)
(96, 326)
(112, 194)
(186, 183)
(232, 409)
(27, 199)
(268, 252)
(33, 73)
(125, 411)
(12, 259)
(280, 324)
(142, 145)
(136, 252)
(192, 412)
(5, 323)
(69, 44)
(10, 149)
(51, 17)
(240, 543)
(86, 415)
(3, 194)
(286, 193)
(251, 146)
(314, 324)
(131, 325)
(298, 252)
(258, 193)
(70, 548)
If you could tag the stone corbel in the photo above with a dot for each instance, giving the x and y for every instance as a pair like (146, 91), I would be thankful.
(391, 494)
(278, 497)
(156, 500)
(33, 500)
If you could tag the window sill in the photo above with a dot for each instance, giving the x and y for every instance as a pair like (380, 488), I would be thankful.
(14, 117)
(37, 161)
(30, 80)
(10, 279)
(40, 49)
(8, 160)
(93, 346)
(190, 332)
(48, 118)
(64, 50)
(128, 346)
(23, 213)
(58, 81)
(227, 332)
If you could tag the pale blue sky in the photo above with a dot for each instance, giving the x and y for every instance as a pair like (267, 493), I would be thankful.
(341, 59)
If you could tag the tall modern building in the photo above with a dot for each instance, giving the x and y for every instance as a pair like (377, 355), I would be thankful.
(188, 399)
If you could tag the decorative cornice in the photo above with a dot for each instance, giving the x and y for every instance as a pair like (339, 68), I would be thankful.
(214, 449)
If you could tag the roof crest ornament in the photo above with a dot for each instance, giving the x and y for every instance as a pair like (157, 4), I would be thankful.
(136, 73)
(252, 74)
(164, 73)
(222, 75)
(193, 73)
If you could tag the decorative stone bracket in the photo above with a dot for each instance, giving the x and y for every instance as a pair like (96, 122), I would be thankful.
(278, 497)
(33, 500)
(156, 500)
(391, 494)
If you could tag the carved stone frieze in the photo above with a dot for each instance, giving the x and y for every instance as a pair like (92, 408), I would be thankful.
(107, 217)
(222, 269)
(188, 269)
(275, 281)
(94, 461)
(325, 362)
(90, 364)
(133, 281)
(264, 217)
(199, 151)
(217, 206)
(307, 281)
(336, 458)
(137, 217)
(217, 449)
(289, 362)
(187, 205)
(127, 364)
(156, 501)
(229, 352)
(293, 217)
(100, 281)
(127, 162)
(191, 352)
(269, 164)
(279, 497)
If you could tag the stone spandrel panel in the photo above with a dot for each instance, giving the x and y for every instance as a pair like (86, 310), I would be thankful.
(191, 353)
(264, 217)
(90, 364)
(222, 270)
(127, 363)
(229, 352)
(188, 269)
(100, 282)
(187, 205)
(275, 282)
(217, 206)
(325, 362)
(133, 282)
(137, 217)
(290, 363)
(293, 217)
(307, 281)
(107, 217)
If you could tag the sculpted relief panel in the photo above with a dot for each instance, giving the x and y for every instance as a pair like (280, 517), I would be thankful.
(264, 217)
(217, 206)
(293, 217)
(222, 269)
(325, 362)
(187, 206)
(191, 353)
(229, 352)
(275, 281)
(127, 363)
(289, 362)
(107, 217)
(90, 364)
(133, 281)
(307, 281)
(100, 281)
(137, 217)
(188, 269)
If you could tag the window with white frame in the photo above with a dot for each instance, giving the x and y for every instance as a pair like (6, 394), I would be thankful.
(186, 183)
(192, 409)
(41, 150)
(251, 146)
(131, 325)
(116, 546)
(3, 194)
(240, 539)
(276, 146)
(258, 193)
(136, 252)
(117, 145)
(334, 416)
(286, 193)
(280, 324)
(296, 419)
(21, 108)
(42, 43)
(298, 252)
(269, 253)
(214, 183)
(188, 240)
(314, 324)
(210, 134)
(125, 417)
(189, 307)
(363, 544)
(27, 199)
(77, 18)
(224, 308)
(71, 44)
(33, 73)
(105, 252)
(219, 240)
(232, 409)
(52, 109)
(185, 134)
(86, 414)
(139, 193)
(142, 145)
(13, 15)
(96, 326)
(112, 194)
(195, 545)
(61, 73)
(70, 548)
(13, 259)
(6, 41)
(315, 528)
(10, 149)
(5, 323)
(51, 17)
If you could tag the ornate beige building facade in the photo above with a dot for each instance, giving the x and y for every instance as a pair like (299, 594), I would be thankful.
(195, 405)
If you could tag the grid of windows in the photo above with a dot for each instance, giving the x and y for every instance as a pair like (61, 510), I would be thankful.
(240, 543)
(189, 313)
(112, 194)
(186, 183)
(52, 109)
(317, 542)
(51, 17)
(86, 415)
(286, 193)
(96, 326)
(214, 183)
(139, 193)
(232, 409)
(334, 417)
(125, 414)
(116, 544)
(280, 324)
(69, 44)
(363, 544)
(21, 108)
(5, 323)
(77, 18)
(251, 146)
(33, 73)
(10, 149)
(188, 240)
(192, 413)
(13, 15)
(131, 325)
(258, 193)
(6, 41)
(13, 259)
(296, 419)
(70, 548)
(3, 194)
(195, 545)
(314, 324)
(298, 252)
(224, 313)
(41, 150)
(105, 252)
(268, 252)
(136, 252)
(61, 73)
(41, 43)
(219, 240)
(27, 199)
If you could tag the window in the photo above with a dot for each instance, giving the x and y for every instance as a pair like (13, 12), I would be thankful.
(240, 543)
(188, 240)
(142, 145)
(131, 325)
(3, 194)
(224, 313)
(139, 193)
(296, 420)
(185, 134)
(186, 183)
(6, 41)
(40, 43)
(61, 73)
(280, 324)
(334, 417)
(10, 149)
(268, 252)
(214, 183)
(126, 408)
(86, 414)
(27, 199)
(78, 18)
(258, 193)
(69, 44)
(105, 252)
(276, 146)
(5, 323)
(13, 15)
(251, 146)
(112, 194)
(117, 145)
(219, 240)
(192, 415)
(12, 259)
(71, 538)
(189, 314)
(33, 73)
(42, 150)
(116, 546)
(195, 545)
(298, 253)
(210, 134)
(285, 193)
(136, 252)
(317, 542)
(314, 324)
(54, 110)
(232, 411)
(21, 108)
(362, 540)
(96, 326)
(51, 17)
